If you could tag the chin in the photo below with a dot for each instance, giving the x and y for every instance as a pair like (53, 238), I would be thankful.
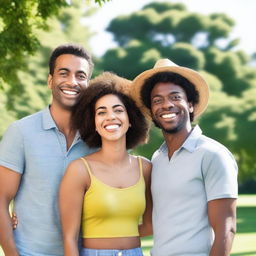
(171, 130)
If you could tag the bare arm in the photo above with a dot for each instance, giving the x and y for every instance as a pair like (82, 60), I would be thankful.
(9, 184)
(222, 218)
(145, 229)
(71, 194)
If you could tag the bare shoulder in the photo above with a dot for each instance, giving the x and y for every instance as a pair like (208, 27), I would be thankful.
(77, 169)
(76, 165)
(146, 163)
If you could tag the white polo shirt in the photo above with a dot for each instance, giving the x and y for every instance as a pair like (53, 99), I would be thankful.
(199, 171)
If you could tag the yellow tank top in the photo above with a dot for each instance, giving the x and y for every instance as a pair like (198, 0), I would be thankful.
(112, 212)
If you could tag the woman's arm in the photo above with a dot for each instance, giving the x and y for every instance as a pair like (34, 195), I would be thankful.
(145, 229)
(71, 194)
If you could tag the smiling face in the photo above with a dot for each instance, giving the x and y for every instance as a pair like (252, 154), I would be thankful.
(70, 76)
(111, 118)
(170, 108)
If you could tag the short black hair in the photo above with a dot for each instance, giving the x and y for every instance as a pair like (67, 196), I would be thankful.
(73, 49)
(169, 77)
(83, 115)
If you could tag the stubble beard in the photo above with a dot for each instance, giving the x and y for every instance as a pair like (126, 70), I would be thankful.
(169, 131)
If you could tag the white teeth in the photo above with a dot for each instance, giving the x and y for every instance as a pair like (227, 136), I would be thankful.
(168, 115)
(113, 126)
(69, 92)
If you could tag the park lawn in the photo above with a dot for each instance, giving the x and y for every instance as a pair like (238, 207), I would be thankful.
(245, 239)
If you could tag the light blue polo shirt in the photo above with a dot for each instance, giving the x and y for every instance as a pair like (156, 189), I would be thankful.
(199, 171)
(35, 148)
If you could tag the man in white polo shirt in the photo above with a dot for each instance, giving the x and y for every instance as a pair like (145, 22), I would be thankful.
(194, 178)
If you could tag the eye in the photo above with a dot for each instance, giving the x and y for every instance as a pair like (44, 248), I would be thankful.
(156, 101)
(63, 73)
(119, 110)
(82, 76)
(101, 113)
(175, 97)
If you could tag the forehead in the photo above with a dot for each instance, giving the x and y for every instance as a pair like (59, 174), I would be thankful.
(71, 62)
(108, 100)
(161, 89)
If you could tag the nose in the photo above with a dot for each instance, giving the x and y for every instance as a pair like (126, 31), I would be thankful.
(111, 115)
(72, 81)
(167, 103)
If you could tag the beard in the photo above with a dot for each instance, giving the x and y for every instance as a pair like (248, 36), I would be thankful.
(170, 130)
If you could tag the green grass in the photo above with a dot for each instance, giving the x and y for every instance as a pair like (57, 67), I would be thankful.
(245, 239)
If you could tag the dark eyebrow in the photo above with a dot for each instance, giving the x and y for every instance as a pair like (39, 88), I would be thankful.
(81, 71)
(175, 92)
(64, 69)
(115, 106)
(158, 95)
(101, 107)
(118, 105)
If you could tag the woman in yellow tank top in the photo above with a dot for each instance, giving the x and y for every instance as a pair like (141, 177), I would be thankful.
(107, 193)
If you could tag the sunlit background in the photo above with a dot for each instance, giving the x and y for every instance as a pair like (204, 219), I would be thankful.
(127, 36)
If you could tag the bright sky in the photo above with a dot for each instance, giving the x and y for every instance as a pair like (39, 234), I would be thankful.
(242, 11)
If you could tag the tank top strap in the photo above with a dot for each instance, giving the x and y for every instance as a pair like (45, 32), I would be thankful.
(87, 166)
(140, 166)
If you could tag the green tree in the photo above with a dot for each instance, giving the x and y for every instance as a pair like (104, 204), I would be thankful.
(35, 95)
(20, 21)
(201, 42)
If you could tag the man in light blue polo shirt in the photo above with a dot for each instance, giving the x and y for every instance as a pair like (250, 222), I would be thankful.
(34, 154)
(194, 178)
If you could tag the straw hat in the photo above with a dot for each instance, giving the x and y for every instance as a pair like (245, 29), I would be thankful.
(164, 65)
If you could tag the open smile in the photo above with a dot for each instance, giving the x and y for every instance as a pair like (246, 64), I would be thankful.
(170, 115)
(68, 91)
(111, 127)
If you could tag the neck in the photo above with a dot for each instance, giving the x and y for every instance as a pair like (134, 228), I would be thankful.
(114, 151)
(174, 141)
(62, 119)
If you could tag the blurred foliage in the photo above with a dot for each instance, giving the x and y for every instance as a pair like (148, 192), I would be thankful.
(201, 42)
(158, 30)
(20, 20)
(65, 28)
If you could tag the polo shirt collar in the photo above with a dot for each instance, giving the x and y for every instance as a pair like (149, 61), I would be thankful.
(48, 122)
(190, 143)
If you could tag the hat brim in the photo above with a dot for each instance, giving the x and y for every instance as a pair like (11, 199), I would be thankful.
(194, 77)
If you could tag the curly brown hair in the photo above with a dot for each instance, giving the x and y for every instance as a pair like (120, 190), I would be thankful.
(83, 115)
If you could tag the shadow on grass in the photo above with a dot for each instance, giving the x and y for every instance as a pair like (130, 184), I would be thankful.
(244, 253)
(246, 221)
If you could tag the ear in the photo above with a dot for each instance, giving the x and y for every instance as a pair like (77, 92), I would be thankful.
(49, 81)
(191, 107)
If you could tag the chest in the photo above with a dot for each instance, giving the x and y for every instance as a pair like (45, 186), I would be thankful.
(46, 156)
(181, 176)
